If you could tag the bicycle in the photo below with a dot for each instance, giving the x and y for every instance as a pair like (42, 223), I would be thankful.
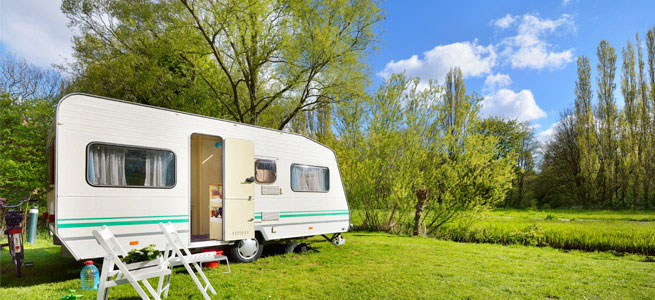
(14, 232)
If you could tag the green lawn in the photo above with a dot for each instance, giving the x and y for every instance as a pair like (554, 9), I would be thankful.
(374, 265)
(577, 214)
(622, 231)
(590, 230)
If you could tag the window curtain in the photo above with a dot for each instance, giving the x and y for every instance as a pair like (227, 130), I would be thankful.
(306, 178)
(265, 171)
(107, 165)
(157, 164)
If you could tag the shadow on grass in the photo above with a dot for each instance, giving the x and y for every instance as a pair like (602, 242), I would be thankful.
(274, 249)
(49, 267)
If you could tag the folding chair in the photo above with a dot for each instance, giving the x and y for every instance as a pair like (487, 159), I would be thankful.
(177, 253)
(126, 273)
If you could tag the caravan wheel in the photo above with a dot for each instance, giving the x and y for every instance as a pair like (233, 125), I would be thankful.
(246, 250)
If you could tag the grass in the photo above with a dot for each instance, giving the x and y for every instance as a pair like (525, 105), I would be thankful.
(382, 266)
(576, 214)
(589, 230)
(583, 230)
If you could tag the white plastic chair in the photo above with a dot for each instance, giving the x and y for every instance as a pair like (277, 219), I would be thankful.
(126, 273)
(177, 253)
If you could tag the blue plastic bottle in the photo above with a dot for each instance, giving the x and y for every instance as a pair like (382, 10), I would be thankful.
(90, 276)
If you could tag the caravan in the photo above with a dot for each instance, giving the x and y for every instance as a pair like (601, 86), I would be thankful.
(131, 166)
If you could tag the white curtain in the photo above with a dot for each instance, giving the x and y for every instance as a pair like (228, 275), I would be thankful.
(309, 179)
(157, 162)
(107, 165)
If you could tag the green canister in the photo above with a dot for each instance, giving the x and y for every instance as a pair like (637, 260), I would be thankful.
(31, 229)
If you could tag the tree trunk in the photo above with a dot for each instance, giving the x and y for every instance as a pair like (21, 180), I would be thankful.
(421, 202)
(646, 190)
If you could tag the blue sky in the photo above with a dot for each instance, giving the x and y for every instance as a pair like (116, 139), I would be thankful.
(534, 44)
(520, 55)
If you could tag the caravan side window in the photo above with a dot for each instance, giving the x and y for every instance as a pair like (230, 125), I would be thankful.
(126, 166)
(309, 178)
(265, 171)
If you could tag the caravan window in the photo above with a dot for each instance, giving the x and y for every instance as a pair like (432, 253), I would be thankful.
(265, 171)
(309, 178)
(124, 166)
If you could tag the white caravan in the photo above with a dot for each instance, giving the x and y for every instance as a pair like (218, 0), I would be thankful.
(130, 166)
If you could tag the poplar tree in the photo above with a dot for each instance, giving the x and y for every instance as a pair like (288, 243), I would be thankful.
(629, 169)
(586, 129)
(650, 48)
(645, 129)
(607, 116)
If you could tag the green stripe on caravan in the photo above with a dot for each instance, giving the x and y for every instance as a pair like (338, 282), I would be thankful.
(258, 215)
(110, 218)
(120, 223)
(294, 214)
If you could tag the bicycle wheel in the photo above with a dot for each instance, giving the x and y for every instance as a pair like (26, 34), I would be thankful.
(16, 258)
(20, 257)
(12, 251)
(18, 270)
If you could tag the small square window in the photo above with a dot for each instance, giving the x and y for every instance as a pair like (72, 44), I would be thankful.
(265, 171)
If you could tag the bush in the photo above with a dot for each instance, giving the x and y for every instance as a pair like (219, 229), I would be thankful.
(23, 129)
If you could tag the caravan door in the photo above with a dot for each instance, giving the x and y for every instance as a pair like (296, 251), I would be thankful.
(239, 192)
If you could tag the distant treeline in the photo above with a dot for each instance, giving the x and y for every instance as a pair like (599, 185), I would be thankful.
(602, 156)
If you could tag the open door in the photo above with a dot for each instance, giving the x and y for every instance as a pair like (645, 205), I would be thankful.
(239, 201)
(206, 187)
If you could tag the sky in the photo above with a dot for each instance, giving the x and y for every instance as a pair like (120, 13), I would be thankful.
(519, 55)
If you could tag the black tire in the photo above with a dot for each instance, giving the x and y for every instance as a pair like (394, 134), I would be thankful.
(237, 255)
(14, 256)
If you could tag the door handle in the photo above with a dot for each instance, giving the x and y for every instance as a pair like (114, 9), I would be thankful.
(250, 179)
(251, 219)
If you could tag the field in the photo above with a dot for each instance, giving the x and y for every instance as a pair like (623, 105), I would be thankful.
(377, 265)
(590, 230)
(616, 231)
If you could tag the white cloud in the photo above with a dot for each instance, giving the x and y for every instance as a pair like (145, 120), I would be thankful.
(497, 81)
(524, 46)
(546, 135)
(538, 57)
(528, 47)
(506, 103)
(565, 2)
(505, 21)
(474, 60)
(35, 30)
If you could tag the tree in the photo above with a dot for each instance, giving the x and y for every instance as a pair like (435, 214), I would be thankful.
(465, 173)
(28, 95)
(515, 138)
(559, 184)
(418, 149)
(378, 142)
(585, 124)
(22, 80)
(23, 129)
(629, 168)
(607, 118)
(616, 160)
(646, 129)
(650, 165)
(259, 62)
